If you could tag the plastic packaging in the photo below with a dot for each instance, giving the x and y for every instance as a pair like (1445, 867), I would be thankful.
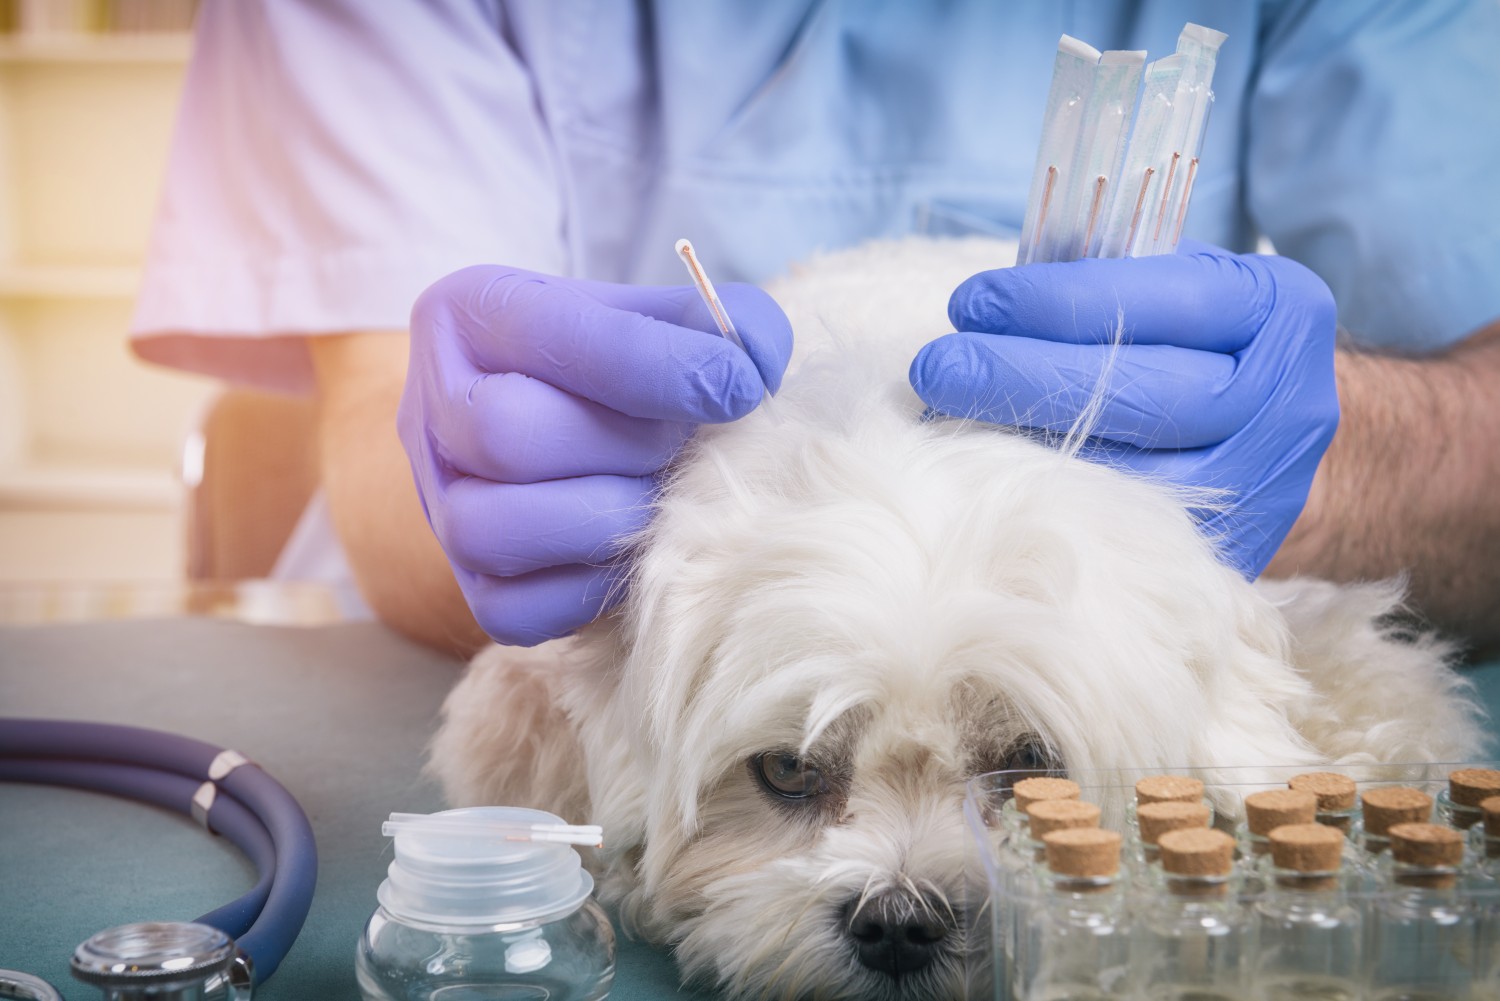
(1094, 171)
(1199, 49)
(480, 914)
(1120, 150)
(1145, 161)
(1072, 81)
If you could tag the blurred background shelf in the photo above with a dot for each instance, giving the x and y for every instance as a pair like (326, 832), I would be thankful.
(90, 438)
(170, 48)
(78, 282)
(88, 488)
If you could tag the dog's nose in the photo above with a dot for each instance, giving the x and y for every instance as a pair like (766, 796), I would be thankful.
(895, 932)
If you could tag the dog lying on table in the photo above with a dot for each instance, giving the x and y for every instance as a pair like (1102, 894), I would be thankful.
(843, 610)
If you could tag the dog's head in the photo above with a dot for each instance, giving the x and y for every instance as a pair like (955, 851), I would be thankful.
(842, 612)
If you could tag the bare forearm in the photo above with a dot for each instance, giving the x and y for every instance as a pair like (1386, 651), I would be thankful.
(1411, 484)
(396, 559)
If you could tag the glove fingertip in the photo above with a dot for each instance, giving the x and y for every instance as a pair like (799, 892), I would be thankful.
(763, 327)
(942, 368)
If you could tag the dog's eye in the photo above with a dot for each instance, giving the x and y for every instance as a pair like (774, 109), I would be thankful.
(1031, 755)
(786, 775)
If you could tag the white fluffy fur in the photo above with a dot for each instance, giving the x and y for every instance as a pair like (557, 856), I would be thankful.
(902, 601)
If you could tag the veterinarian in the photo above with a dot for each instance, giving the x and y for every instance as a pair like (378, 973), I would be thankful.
(335, 157)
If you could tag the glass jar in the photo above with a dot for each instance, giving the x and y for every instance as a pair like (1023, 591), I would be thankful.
(1308, 936)
(1423, 932)
(484, 918)
(1078, 946)
(1194, 940)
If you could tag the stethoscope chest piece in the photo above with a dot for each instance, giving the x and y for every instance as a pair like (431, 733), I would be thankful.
(164, 961)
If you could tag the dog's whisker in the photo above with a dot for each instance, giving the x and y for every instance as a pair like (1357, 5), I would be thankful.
(936, 892)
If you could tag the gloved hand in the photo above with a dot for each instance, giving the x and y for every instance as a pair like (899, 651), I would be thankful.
(1224, 379)
(537, 411)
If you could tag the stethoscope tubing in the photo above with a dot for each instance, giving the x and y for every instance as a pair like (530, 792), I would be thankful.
(293, 852)
(227, 817)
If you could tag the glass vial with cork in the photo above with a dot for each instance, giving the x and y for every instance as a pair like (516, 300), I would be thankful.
(1337, 796)
(1383, 808)
(1155, 819)
(1264, 812)
(1423, 932)
(1163, 789)
(1193, 941)
(1308, 935)
(1082, 935)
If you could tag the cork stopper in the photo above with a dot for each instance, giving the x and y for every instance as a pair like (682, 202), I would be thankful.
(1273, 808)
(1083, 852)
(1168, 789)
(1491, 808)
(1156, 819)
(1051, 815)
(1028, 791)
(1472, 786)
(1307, 848)
(1427, 846)
(1334, 791)
(1388, 806)
(1197, 851)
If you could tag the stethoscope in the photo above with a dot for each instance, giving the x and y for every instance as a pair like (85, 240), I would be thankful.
(226, 952)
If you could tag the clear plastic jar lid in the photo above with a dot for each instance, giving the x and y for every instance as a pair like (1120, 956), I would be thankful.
(446, 878)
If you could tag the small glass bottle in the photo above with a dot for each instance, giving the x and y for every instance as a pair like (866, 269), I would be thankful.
(1030, 886)
(1054, 815)
(1081, 939)
(1033, 790)
(1194, 940)
(1264, 812)
(475, 915)
(1163, 789)
(1484, 889)
(1337, 795)
(1383, 808)
(1458, 804)
(1308, 936)
(1423, 934)
(1155, 819)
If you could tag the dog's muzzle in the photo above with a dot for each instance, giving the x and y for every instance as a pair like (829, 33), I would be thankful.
(897, 932)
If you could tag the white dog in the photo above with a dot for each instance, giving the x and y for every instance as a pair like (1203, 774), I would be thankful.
(843, 611)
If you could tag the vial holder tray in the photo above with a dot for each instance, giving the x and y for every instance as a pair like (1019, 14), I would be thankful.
(1009, 889)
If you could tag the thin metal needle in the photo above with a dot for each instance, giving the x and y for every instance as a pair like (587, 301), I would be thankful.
(1088, 236)
(1140, 203)
(1187, 192)
(710, 296)
(1166, 192)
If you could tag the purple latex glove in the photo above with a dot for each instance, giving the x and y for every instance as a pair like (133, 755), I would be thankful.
(537, 411)
(1224, 381)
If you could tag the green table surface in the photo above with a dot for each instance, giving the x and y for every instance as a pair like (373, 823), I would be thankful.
(338, 713)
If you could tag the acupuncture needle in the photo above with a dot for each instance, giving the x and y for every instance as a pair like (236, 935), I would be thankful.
(1166, 192)
(707, 291)
(1088, 237)
(1187, 192)
(1041, 219)
(716, 309)
(1140, 203)
(587, 835)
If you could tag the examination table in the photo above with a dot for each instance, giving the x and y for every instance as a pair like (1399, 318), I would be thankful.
(338, 713)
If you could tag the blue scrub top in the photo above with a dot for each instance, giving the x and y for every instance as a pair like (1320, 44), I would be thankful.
(335, 156)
